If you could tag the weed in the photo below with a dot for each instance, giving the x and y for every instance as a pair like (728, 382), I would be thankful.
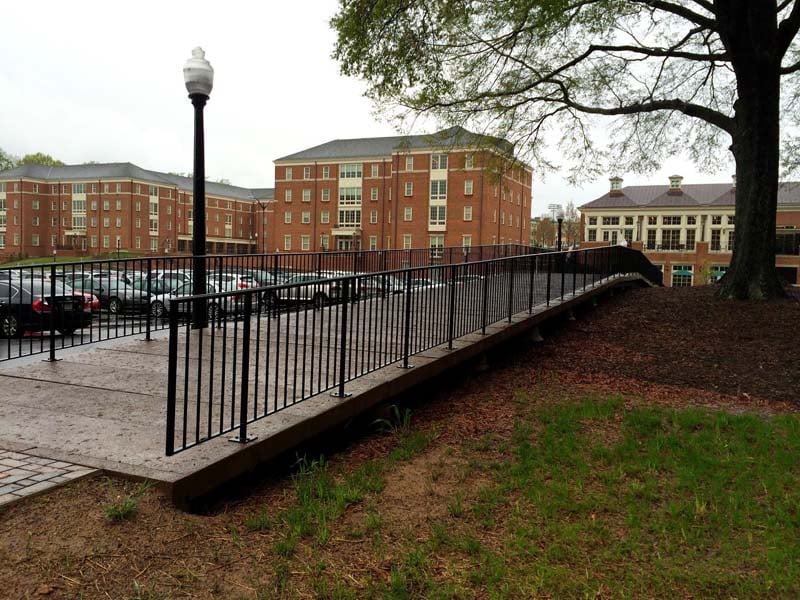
(125, 507)
(258, 522)
(456, 506)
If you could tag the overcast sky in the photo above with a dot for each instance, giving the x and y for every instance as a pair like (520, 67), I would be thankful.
(103, 81)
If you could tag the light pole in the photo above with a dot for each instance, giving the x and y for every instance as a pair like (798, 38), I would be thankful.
(263, 205)
(199, 78)
(560, 221)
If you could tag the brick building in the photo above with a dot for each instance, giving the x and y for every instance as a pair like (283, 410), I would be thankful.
(96, 209)
(451, 188)
(688, 231)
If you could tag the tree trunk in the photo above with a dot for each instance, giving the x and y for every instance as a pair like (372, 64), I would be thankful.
(752, 274)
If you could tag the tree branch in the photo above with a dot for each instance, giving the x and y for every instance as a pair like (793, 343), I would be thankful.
(790, 69)
(668, 52)
(788, 29)
(680, 11)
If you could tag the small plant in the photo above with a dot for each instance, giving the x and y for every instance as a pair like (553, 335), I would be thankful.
(258, 522)
(398, 422)
(124, 508)
(456, 507)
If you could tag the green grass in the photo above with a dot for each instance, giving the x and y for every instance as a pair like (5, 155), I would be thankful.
(596, 500)
(48, 260)
(124, 508)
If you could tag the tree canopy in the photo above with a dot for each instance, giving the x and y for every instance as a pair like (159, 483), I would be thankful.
(677, 76)
(7, 161)
(39, 158)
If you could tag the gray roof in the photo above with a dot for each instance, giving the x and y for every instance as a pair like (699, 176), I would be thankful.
(695, 195)
(385, 146)
(130, 171)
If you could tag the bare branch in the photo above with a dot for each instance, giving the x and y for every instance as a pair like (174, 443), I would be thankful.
(788, 29)
(680, 11)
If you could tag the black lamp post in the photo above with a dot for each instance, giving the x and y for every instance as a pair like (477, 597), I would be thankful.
(560, 221)
(199, 78)
(263, 206)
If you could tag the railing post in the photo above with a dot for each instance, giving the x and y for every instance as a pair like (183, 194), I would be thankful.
(510, 289)
(407, 324)
(242, 437)
(452, 308)
(149, 294)
(345, 303)
(549, 273)
(531, 277)
(484, 307)
(563, 268)
(172, 376)
(52, 356)
(574, 270)
(585, 261)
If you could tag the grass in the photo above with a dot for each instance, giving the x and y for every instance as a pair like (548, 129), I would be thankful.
(125, 507)
(48, 260)
(623, 503)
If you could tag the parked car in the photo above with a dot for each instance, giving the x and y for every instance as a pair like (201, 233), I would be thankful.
(316, 288)
(377, 285)
(114, 294)
(25, 305)
(160, 304)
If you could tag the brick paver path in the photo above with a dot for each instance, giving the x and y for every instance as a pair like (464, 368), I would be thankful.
(24, 475)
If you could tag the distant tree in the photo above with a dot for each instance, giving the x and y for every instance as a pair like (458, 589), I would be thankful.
(572, 224)
(7, 161)
(543, 232)
(694, 76)
(224, 180)
(40, 159)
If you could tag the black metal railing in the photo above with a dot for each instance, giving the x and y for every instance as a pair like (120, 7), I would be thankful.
(293, 341)
(48, 307)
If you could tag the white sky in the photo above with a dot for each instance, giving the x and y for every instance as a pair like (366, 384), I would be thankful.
(103, 81)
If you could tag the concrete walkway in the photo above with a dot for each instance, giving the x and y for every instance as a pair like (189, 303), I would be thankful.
(104, 407)
(23, 475)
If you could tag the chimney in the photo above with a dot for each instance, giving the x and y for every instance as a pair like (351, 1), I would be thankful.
(675, 184)
(616, 186)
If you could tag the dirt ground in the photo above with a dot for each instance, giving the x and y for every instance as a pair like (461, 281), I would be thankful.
(673, 347)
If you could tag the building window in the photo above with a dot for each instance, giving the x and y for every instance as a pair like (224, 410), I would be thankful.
(682, 275)
(288, 175)
(468, 161)
(53, 205)
(407, 213)
(119, 188)
(325, 195)
(106, 188)
(154, 225)
(153, 244)
(137, 206)
(466, 241)
(350, 196)
(670, 239)
(502, 218)
(438, 161)
(690, 238)
(326, 172)
(671, 219)
(106, 205)
(468, 187)
(716, 220)
(409, 163)
(651, 239)
(305, 242)
(119, 222)
(592, 220)
(438, 215)
(468, 213)
(78, 188)
(494, 216)
(153, 190)
(610, 220)
(94, 204)
(716, 237)
(169, 209)
(287, 242)
(436, 245)
(350, 218)
(34, 239)
(307, 195)
(306, 172)
(287, 196)
(652, 220)
(305, 217)
(691, 220)
(35, 205)
(137, 242)
(731, 219)
(374, 170)
(287, 217)
(407, 241)
(350, 171)
(373, 242)
(373, 216)
(628, 235)
(325, 217)
(439, 189)
(731, 238)
(373, 194)
(324, 241)
(592, 235)
(628, 220)
(106, 241)
(409, 188)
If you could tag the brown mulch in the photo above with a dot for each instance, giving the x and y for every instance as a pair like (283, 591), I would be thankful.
(673, 347)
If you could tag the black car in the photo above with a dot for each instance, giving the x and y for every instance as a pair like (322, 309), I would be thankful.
(25, 305)
(115, 295)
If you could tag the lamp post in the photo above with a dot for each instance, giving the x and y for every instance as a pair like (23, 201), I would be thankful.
(560, 222)
(263, 205)
(199, 78)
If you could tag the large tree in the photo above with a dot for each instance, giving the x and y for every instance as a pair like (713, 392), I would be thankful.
(7, 161)
(39, 158)
(694, 76)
